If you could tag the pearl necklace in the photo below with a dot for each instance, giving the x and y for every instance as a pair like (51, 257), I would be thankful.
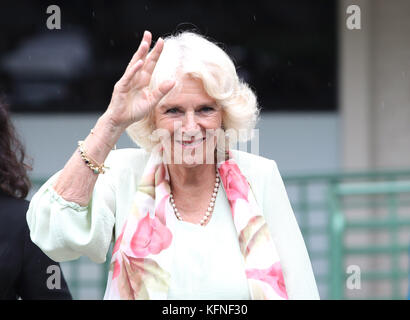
(210, 207)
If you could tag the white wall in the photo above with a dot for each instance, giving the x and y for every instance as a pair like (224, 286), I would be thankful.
(301, 142)
(374, 90)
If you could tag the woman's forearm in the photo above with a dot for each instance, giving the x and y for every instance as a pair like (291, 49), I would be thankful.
(76, 181)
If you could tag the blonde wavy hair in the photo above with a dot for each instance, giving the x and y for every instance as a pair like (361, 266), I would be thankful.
(188, 53)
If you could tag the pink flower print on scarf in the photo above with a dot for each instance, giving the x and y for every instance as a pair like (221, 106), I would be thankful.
(235, 183)
(151, 237)
(272, 276)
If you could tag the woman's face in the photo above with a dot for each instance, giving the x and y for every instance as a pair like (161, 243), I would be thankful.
(191, 117)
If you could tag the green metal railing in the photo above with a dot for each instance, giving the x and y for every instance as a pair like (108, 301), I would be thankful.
(392, 222)
(317, 200)
(321, 215)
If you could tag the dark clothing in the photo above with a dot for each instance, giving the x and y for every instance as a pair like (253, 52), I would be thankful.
(24, 268)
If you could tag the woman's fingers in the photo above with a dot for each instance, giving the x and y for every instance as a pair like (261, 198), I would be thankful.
(145, 62)
(137, 60)
(141, 55)
(142, 49)
(130, 72)
(161, 91)
(153, 56)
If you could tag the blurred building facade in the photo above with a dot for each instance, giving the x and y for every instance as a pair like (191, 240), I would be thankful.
(374, 102)
(374, 91)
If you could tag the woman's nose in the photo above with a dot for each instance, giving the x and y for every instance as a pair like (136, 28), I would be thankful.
(190, 121)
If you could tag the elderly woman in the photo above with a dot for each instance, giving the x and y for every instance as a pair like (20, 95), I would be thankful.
(190, 218)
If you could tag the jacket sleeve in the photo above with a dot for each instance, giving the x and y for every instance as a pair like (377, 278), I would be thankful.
(297, 269)
(65, 230)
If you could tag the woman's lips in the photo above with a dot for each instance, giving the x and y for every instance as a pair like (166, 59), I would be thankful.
(191, 143)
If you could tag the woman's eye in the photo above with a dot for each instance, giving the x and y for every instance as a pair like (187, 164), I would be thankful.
(206, 109)
(172, 110)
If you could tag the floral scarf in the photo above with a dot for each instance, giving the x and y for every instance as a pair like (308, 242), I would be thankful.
(142, 254)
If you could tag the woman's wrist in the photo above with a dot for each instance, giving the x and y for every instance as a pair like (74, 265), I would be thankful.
(107, 131)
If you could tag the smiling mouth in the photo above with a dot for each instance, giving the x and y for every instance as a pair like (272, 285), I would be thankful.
(191, 143)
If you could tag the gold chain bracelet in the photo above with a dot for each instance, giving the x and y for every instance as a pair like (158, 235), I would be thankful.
(90, 162)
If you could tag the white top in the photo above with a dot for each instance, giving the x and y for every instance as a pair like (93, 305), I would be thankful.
(207, 257)
(214, 267)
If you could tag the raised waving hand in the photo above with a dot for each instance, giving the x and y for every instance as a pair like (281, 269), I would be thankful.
(131, 99)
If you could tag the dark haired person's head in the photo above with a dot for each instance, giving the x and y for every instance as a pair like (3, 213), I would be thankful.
(14, 180)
